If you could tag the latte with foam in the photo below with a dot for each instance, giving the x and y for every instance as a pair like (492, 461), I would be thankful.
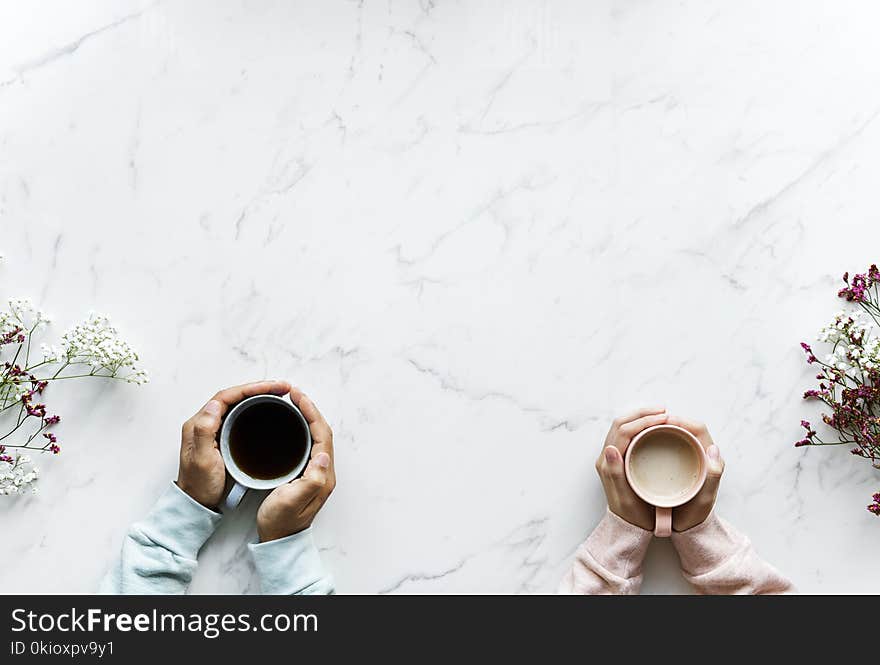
(665, 465)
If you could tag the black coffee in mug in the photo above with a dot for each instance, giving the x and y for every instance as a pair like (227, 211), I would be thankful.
(267, 440)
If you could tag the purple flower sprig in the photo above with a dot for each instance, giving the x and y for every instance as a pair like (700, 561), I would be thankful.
(849, 377)
(875, 506)
(859, 288)
(21, 405)
(92, 348)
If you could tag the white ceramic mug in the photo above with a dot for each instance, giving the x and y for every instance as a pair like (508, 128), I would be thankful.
(243, 481)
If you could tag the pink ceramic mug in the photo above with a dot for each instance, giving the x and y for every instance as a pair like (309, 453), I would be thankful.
(681, 483)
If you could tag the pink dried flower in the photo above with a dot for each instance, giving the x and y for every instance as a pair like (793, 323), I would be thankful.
(875, 506)
(849, 379)
(91, 349)
(810, 357)
(36, 410)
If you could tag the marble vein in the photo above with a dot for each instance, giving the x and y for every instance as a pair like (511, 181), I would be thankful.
(68, 49)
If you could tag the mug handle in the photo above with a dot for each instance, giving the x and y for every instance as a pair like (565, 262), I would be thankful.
(663, 522)
(236, 494)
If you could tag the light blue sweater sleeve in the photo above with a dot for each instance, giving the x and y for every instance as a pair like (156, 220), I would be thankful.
(159, 553)
(291, 565)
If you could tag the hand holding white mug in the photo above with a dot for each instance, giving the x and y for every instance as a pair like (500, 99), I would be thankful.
(291, 507)
(202, 472)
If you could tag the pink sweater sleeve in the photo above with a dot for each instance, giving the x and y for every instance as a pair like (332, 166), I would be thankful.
(718, 559)
(610, 560)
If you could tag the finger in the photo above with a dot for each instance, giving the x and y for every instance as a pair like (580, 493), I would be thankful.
(613, 459)
(302, 491)
(318, 468)
(312, 415)
(699, 430)
(322, 435)
(230, 396)
(321, 476)
(299, 493)
(614, 472)
(639, 413)
(716, 465)
(709, 490)
(632, 428)
(203, 426)
(612, 466)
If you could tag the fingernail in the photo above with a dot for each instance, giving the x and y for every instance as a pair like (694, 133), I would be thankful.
(213, 407)
(610, 457)
(713, 453)
(322, 460)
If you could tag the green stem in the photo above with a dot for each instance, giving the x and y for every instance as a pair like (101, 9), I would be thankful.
(27, 354)
(865, 306)
(13, 430)
(60, 369)
(18, 351)
(9, 406)
(34, 435)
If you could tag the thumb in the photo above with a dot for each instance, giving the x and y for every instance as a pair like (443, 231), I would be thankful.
(613, 462)
(317, 468)
(205, 426)
(715, 470)
(309, 485)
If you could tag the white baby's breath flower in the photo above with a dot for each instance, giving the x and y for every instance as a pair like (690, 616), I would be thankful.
(22, 312)
(138, 377)
(18, 476)
(97, 343)
(855, 347)
(93, 344)
(51, 353)
(21, 305)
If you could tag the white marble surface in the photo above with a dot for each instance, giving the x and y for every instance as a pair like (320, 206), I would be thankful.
(474, 232)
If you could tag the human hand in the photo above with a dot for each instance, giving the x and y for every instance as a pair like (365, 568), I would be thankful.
(291, 508)
(622, 501)
(696, 510)
(202, 473)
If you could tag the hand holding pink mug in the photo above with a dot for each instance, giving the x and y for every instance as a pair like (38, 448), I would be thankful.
(696, 510)
(624, 502)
